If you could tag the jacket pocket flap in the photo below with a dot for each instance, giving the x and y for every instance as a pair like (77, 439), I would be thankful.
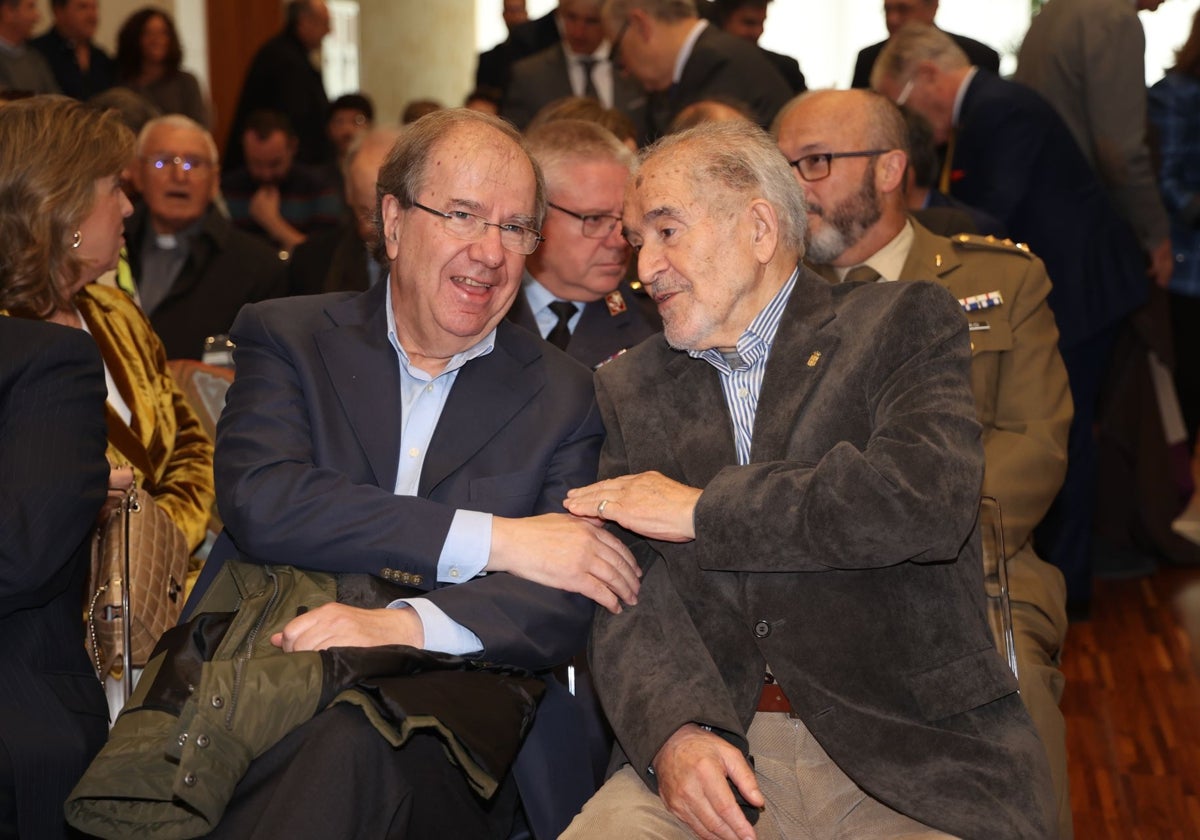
(961, 685)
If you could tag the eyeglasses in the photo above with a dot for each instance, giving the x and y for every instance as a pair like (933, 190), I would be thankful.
(818, 166)
(188, 162)
(905, 92)
(468, 226)
(595, 225)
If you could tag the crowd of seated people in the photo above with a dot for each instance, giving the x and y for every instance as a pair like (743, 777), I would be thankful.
(415, 307)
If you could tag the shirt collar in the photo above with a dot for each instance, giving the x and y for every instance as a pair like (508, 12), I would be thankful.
(755, 343)
(962, 94)
(888, 260)
(481, 348)
(538, 296)
(685, 51)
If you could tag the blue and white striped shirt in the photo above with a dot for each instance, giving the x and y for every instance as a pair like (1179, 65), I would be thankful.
(742, 379)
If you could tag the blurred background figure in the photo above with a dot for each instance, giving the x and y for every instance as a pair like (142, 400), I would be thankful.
(586, 108)
(746, 19)
(1175, 114)
(897, 13)
(148, 62)
(283, 78)
(418, 108)
(350, 115)
(21, 67)
(52, 460)
(80, 67)
(484, 100)
(710, 110)
(60, 185)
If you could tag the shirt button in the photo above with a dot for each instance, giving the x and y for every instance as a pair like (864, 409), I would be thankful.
(429, 388)
(743, 392)
(414, 452)
(454, 573)
(762, 629)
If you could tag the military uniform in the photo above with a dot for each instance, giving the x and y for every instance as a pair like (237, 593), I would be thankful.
(1023, 403)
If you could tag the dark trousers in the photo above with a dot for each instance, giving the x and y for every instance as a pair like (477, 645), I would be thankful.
(1064, 536)
(1185, 331)
(336, 777)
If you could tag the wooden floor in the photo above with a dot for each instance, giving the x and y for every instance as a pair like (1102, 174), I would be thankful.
(1132, 705)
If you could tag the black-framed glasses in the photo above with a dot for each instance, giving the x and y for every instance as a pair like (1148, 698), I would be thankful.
(816, 167)
(186, 162)
(516, 238)
(595, 225)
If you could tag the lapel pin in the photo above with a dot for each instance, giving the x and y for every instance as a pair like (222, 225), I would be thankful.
(615, 302)
(937, 260)
(814, 358)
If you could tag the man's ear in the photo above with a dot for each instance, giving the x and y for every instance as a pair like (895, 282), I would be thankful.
(765, 225)
(890, 170)
(392, 216)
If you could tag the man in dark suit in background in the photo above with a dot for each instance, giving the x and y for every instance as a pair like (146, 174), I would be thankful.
(80, 67)
(579, 65)
(681, 59)
(572, 293)
(283, 78)
(897, 13)
(408, 439)
(54, 718)
(745, 19)
(194, 270)
(343, 259)
(525, 37)
(797, 467)
(1013, 156)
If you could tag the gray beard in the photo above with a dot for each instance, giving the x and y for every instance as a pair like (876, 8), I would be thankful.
(846, 223)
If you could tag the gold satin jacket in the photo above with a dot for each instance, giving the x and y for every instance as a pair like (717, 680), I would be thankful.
(171, 454)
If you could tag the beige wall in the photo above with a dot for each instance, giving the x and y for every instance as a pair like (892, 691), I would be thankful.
(416, 49)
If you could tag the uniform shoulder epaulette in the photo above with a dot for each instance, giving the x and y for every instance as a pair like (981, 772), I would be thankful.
(973, 242)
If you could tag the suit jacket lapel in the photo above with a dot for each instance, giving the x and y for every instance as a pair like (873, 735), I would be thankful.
(369, 392)
(800, 355)
(522, 313)
(695, 402)
(488, 392)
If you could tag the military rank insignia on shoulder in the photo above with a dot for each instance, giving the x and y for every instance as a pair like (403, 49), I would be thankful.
(972, 242)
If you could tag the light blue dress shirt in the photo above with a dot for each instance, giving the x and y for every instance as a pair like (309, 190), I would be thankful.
(465, 552)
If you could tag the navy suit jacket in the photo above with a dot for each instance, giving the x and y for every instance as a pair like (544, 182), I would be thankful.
(53, 718)
(720, 66)
(542, 78)
(307, 453)
(1015, 158)
(600, 335)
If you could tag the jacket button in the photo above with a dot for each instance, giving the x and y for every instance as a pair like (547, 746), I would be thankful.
(762, 629)
(218, 701)
(416, 580)
(189, 779)
(182, 739)
(201, 741)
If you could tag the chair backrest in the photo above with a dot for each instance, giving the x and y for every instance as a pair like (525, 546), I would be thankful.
(995, 580)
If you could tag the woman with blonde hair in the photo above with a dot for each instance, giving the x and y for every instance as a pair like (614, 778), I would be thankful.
(62, 213)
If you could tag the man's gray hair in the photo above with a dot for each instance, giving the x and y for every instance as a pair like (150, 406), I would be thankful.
(617, 11)
(404, 172)
(740, 158)
(561, 143)
(912, 44)
(181, 122)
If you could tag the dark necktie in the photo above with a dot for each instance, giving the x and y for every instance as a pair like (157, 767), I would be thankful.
(862, 272)
(561, 334)
(588, 63)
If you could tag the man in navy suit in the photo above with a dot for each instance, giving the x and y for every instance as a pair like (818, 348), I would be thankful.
(581, 64)
(681, 59)
(572, 294)
(1011, 155)
(409, 435)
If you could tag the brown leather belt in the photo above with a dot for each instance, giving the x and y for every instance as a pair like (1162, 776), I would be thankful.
(772, 698)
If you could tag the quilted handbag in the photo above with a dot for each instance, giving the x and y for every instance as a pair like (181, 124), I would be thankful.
(140, 544)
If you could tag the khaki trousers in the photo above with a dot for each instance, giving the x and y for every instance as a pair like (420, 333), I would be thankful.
(808, 797)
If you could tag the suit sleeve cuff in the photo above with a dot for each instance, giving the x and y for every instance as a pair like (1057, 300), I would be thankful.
(442, 634)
